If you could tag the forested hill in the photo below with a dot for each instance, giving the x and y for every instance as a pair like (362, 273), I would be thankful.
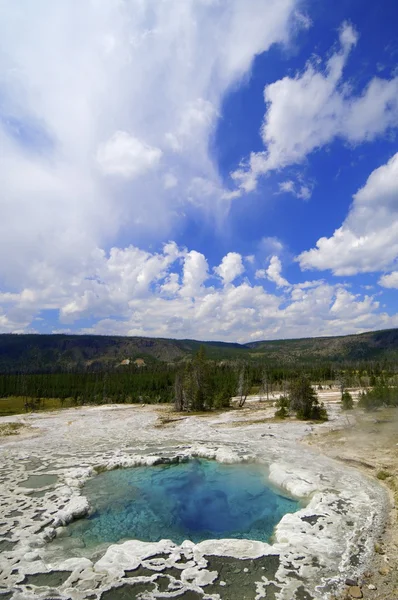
(53, 353)
(58, 352)
(371, 346)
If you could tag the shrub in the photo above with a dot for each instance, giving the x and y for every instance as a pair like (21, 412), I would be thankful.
(380, 395)
(319, 412)
(347, 401)
(382, 475)
(283, 407)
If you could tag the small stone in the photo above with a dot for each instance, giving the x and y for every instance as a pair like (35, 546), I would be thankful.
(368, 574)
(379, 549)
(384, 571)
(351, 582)
(372, 586)
(355, 592)
(245, 570)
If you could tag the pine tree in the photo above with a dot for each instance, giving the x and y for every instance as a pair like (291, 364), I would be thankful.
(303, 400)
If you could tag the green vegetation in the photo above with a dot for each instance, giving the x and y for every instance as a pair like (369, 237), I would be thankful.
(33, 353)
(382, 394)
(41, 372)
(302, 400)
(363, 349)
(347, 401)
(202, 386)
(283, 405)
(15, 405)
(132, 385)
(382, 475)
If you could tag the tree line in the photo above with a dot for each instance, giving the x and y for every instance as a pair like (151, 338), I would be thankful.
(202, 384)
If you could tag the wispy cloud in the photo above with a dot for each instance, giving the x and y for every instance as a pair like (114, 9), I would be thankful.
(310, 110)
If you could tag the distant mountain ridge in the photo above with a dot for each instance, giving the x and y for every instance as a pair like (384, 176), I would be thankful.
(60, 352)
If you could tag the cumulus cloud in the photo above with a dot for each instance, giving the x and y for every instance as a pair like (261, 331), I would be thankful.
(230, 268)
(274, 271)
(313, 108)
(368, 239)
(170, 293)
(109, 282)
(195, 273)
(390, 280)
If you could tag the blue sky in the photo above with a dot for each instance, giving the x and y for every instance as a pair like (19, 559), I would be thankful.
(202, 169)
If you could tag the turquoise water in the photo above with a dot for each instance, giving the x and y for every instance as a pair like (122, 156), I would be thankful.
(196, 500)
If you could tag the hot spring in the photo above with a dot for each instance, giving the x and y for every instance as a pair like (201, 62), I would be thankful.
(195, 500)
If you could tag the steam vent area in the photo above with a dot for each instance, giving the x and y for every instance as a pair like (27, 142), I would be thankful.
(138, 504)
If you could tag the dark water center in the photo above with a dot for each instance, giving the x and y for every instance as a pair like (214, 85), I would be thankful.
(196, 500)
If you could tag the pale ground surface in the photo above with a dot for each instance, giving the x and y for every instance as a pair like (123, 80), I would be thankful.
(332, 538)
(370, 442)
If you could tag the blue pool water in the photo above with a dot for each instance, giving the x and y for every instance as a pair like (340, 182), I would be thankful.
(196, 500)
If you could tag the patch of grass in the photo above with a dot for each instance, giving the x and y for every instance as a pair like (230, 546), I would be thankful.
(15, 405)
(382, 474)
(392, 482)
(164, 420)
(10, 429)
(251, 422)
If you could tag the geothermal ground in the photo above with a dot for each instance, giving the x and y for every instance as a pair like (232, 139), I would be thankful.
(313, 551)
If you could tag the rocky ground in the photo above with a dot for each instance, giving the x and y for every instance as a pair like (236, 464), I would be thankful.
(45, 461)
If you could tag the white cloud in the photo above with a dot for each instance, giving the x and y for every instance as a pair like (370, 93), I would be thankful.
(346, 304)
(313, 108)
(271, 245)
(170, 181)
(95, 134)
(246, 312)
(127, 156)
(171, 286)
(274, 271)
(136, 97)
(287, 186)
(134, 292)
(196, 118)
(260, 274)
(368, 239)
(390, 280)
(302, 191)
(195, 273)
(230, 268)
